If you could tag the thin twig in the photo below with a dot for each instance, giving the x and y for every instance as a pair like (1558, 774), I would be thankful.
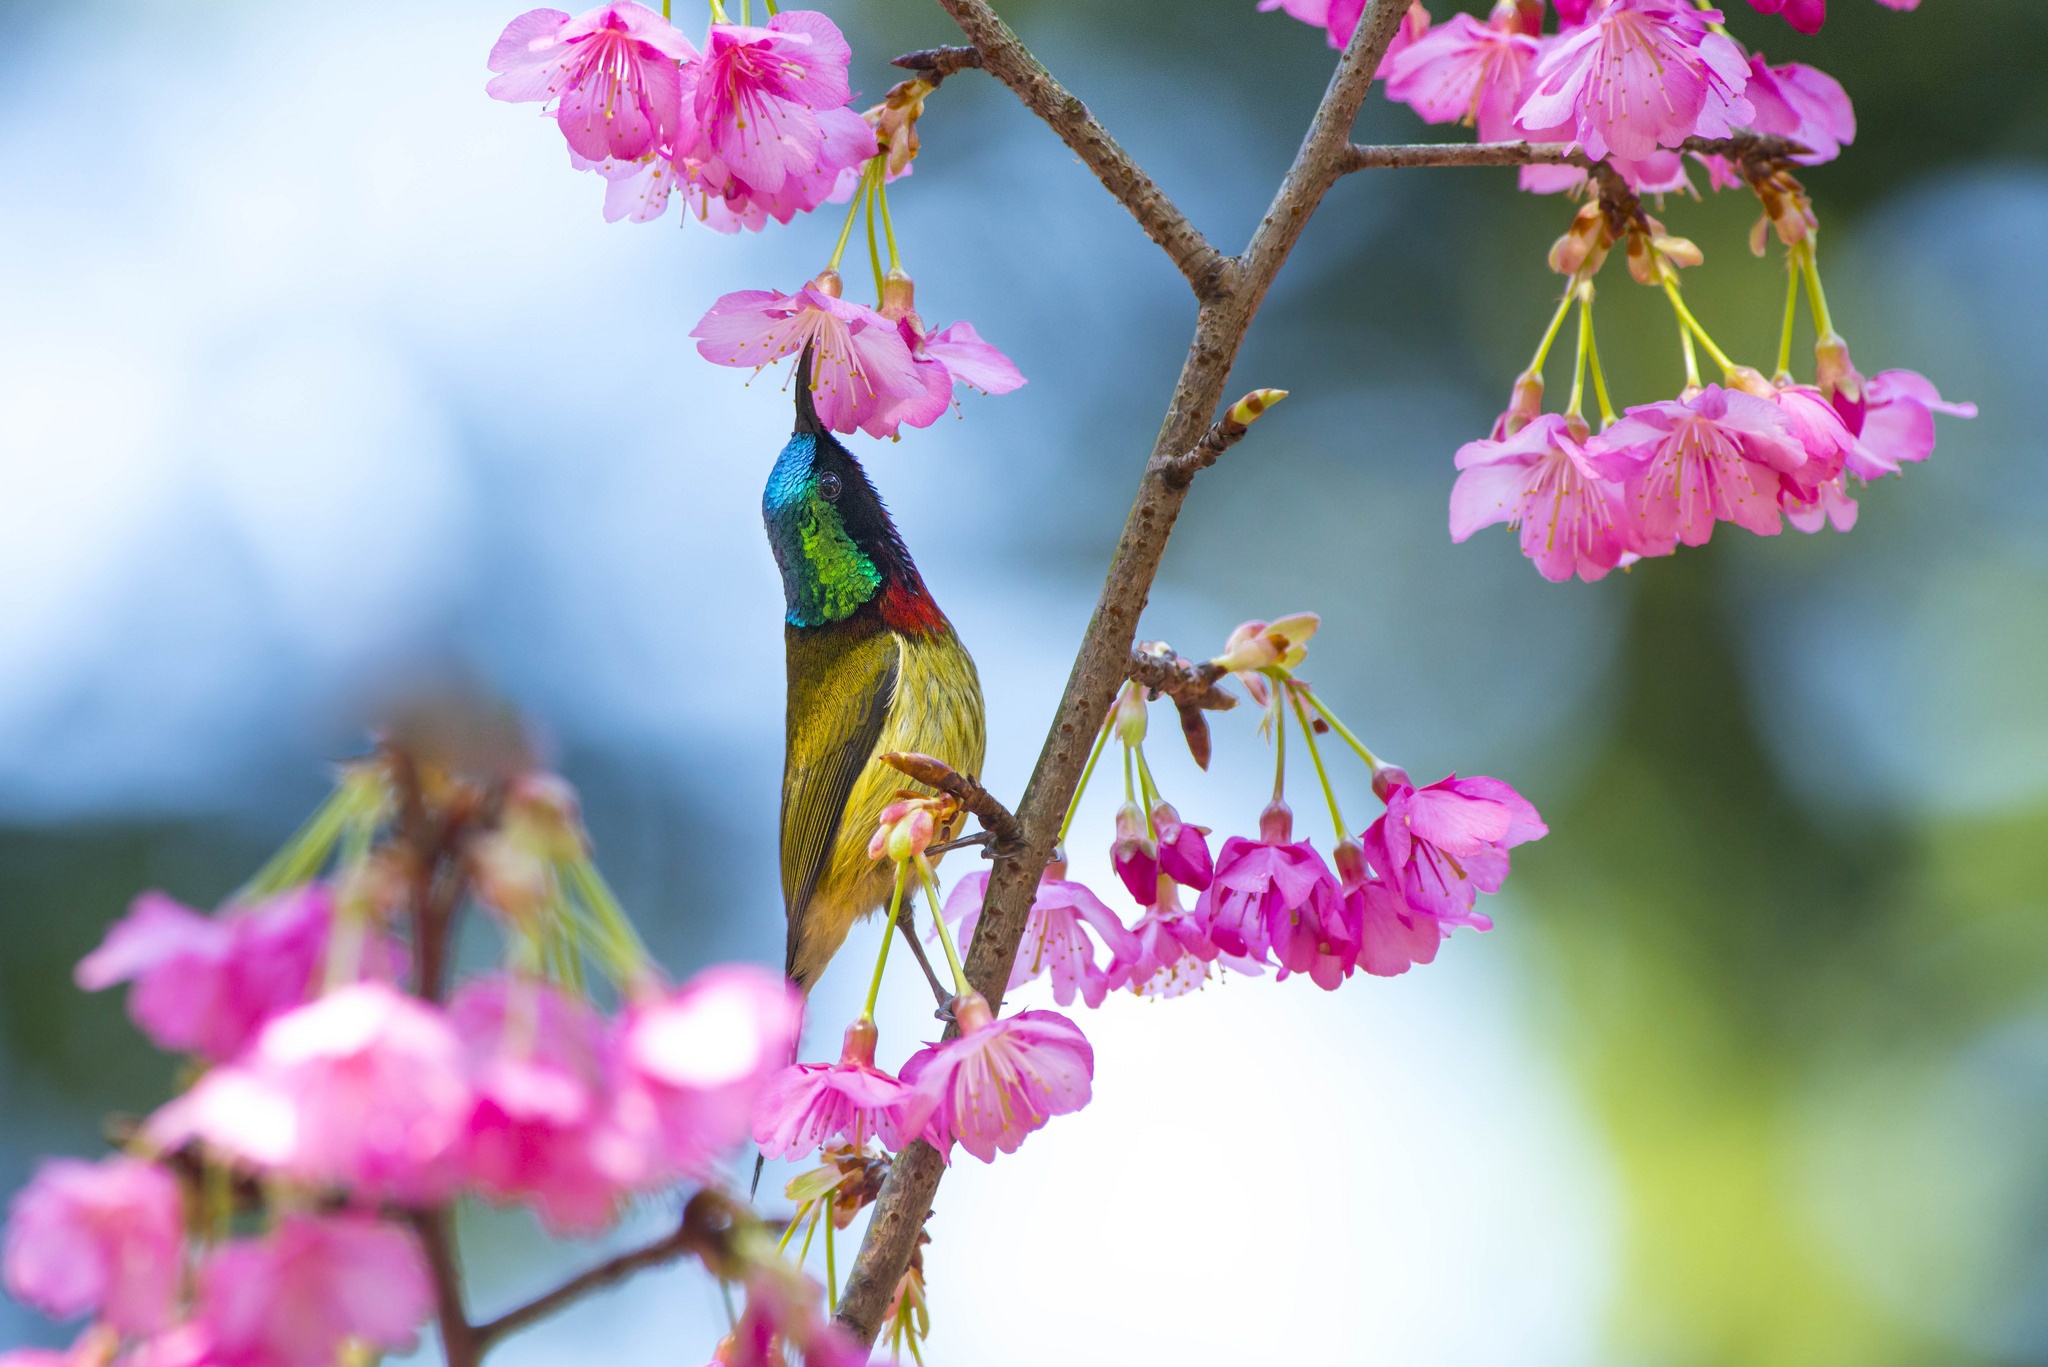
(461, 1343)
(1746, 147)
(1168, 675)
(935, 64)
(1006, 58)
(970, 794)
(1230, 295)
(667, 1249)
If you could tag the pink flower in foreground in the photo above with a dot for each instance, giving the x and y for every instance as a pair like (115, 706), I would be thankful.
(1894, 421)
(1641, 75)
(862, 370)
(808, 1105)
(1804, 104)
(758, 95)
(98, 1238)
(1056, 940)
(1001, 1079)
(615, 73)
(1276, 894)
(1808, 15)
(1466, 71)
(1442, 845)
(967, 359)
(540, 1128)
(1393, 936)
(205, 984)
(293, 1298)
(1685, 463)
(1171, 950)
(785, 1310)
(1541, 480)
(93, 1348)
(364, 1089)
(694, 1063)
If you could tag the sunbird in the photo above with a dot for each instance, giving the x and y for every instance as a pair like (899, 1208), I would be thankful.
(874, 667)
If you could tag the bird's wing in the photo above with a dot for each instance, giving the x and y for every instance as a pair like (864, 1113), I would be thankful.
(840, 685)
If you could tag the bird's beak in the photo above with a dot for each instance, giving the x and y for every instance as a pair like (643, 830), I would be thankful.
(807, 423)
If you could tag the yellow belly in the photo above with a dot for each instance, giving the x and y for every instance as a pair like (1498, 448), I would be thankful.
(937, 711)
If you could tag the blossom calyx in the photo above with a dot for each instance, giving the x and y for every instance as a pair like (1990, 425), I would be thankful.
(1525, 405)
(1387, 779)
(895, 122)
(899, 294)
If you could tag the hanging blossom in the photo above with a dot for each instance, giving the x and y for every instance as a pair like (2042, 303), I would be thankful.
(364, 1088)
(1891, 413)
(1276, 895)
(613, 74)
(1442, 845)
(808, 1105)
(206, 984)
(1641, 76)
(758, 92)
(1392, 936)
(952, 356)
(1339, 19)
(1171, 950)
(294, 1297)
(1714, 455)
(540, 1129)
(1057, 935)
(97, 1238)
(1000, 1079)
(1542, 481)
(1808, 15)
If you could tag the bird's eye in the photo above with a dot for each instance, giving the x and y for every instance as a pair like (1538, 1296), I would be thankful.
(828, 485)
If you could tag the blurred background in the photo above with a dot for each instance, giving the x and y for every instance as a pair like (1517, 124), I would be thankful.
(322, 381)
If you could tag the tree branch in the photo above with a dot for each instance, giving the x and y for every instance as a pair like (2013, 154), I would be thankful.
(666, 1249)
(935, 64)
(1745, 147)
(1006, 58)
(1230, 298)
(461, 1345)
(1168, 675)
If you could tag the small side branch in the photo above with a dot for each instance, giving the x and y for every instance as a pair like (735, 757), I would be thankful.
(606, 1274)
(462, 1345)
(1749, 148)
(935, 64)
(970, 794)
(1224, 433)
(1154, 664)
(1006, 58)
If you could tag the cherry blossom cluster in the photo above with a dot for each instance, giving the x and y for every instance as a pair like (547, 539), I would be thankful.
(757, 125)
(1633, 88)
(273, 1213)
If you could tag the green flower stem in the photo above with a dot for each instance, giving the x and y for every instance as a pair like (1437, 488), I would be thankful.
(1815, 295)
(888, 228)
(1593, 361)
(872, 192)
(867, 1013)
(1150, 790)
(1372, 761)
(1279, 743)
(1689, 327)
(852, 212)
(931, 891)
(1308, 732)
(1792, 274)
(831, 1262)
(1578, 398)
(1550, 333)
(1101, 739)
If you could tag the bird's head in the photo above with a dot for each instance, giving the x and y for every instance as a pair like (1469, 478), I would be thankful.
(832, 538)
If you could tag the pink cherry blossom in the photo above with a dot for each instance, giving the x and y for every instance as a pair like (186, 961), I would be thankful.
(1805, 15)
(205, 984)
(1393, 936)
(1442, 845)
(1541, 480)
(364, 1088)
(862, 369)
(1172, 950)
(960, 356)
(760, 90)
(1804, 104)
(1056, 939)
(1642, 74)
(1001, 1079)
(785, 1309)
(1897, 418)
(1183, 849)
(292, 1298)
(98, 1238)
(614, 72)
(1134, 854)
(1275, 894)
(539, 1130)
(1685, 463)
(1466, 71)
(692, 1064)
(808, 1105)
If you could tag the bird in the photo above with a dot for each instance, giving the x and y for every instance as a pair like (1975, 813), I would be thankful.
(873, 666)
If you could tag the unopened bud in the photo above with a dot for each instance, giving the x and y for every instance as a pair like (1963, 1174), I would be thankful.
(906, 827)
(1130, 715)
(1246, 410)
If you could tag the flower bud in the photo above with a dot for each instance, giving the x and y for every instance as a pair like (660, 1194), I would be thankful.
(906, 827)
(1129, 717)
(1134, 855)
(1248, 409)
